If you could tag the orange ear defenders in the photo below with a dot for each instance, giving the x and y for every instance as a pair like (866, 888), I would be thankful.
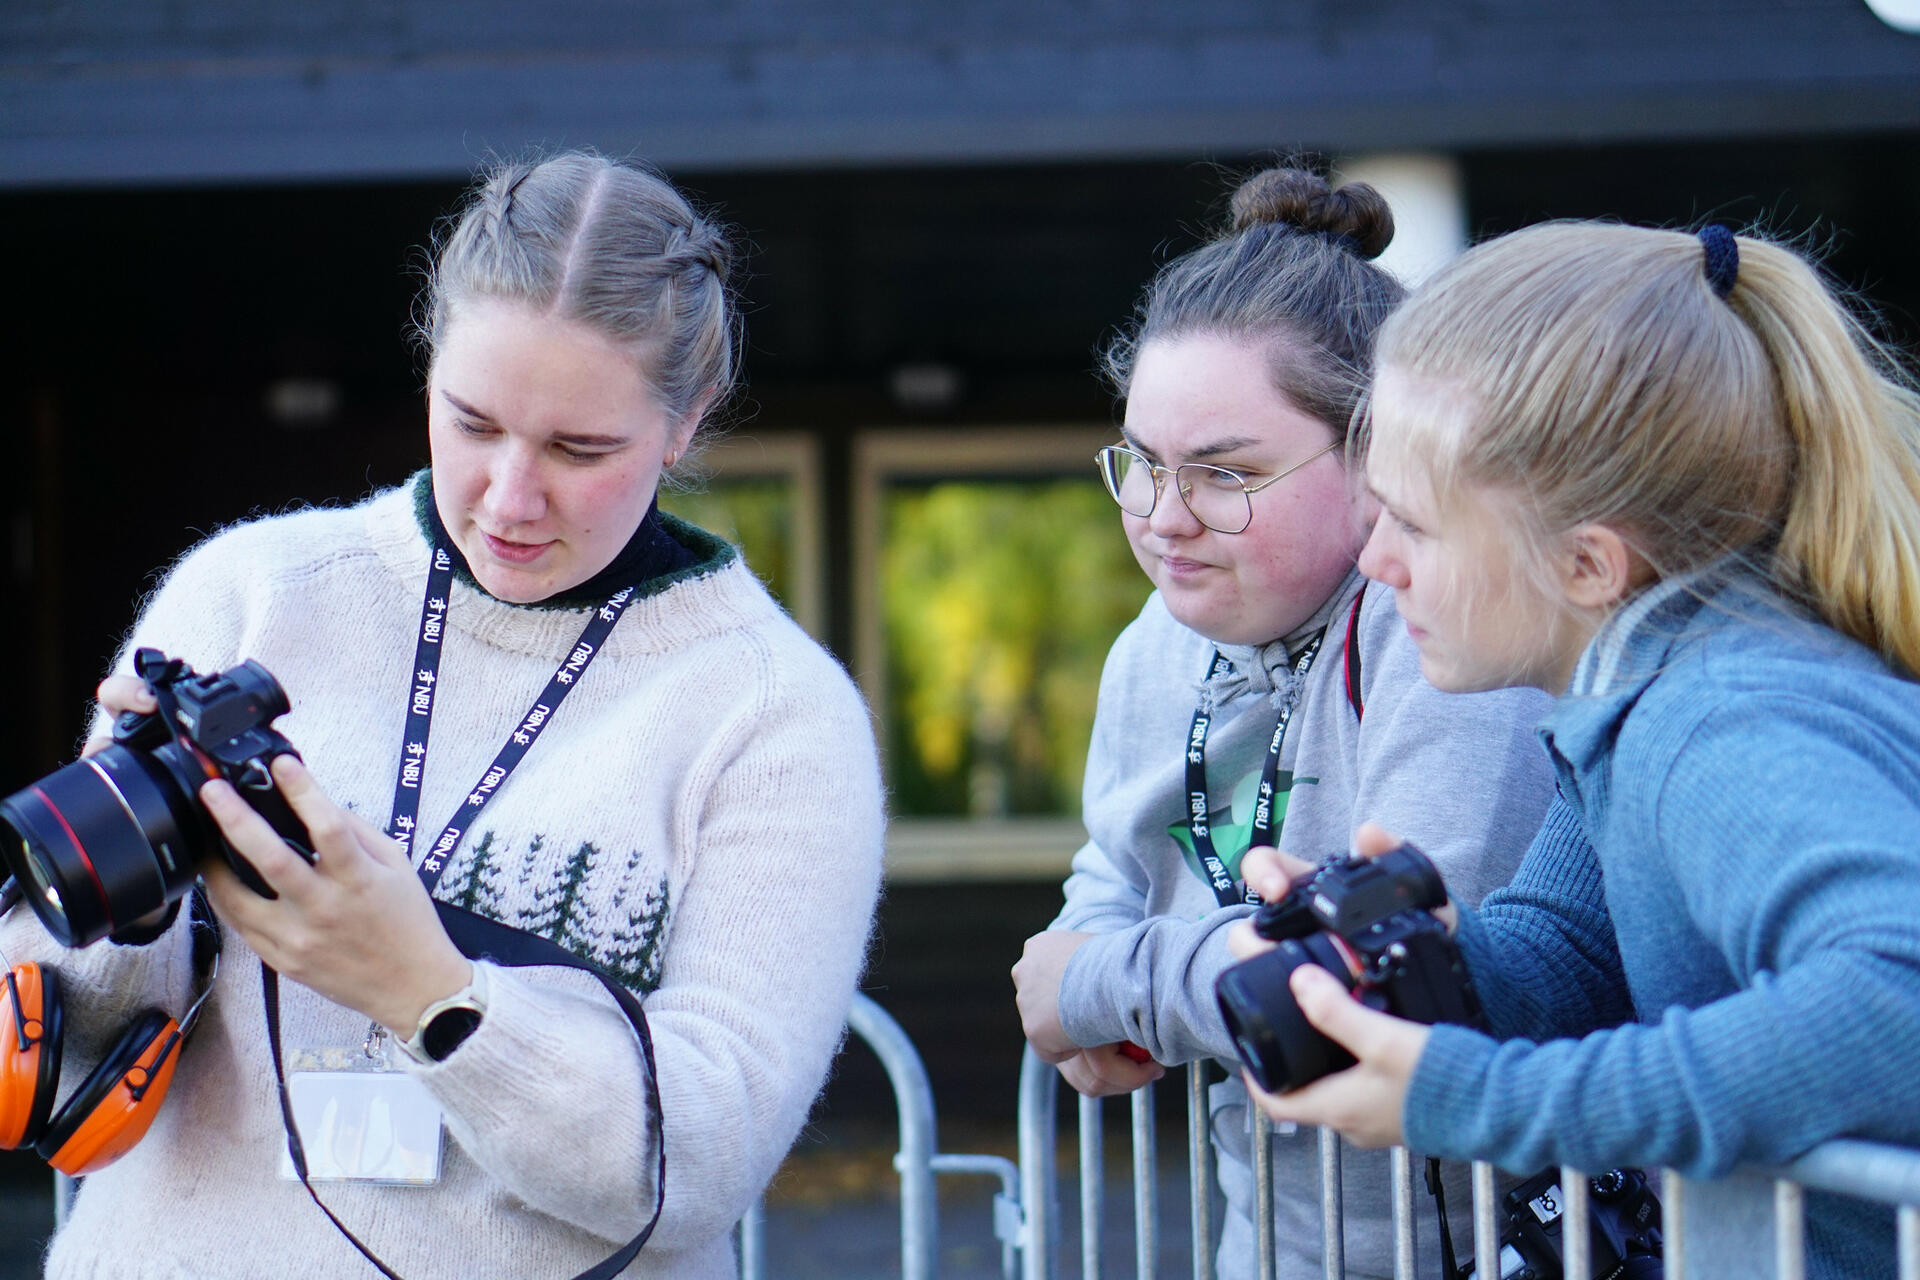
(116, 1104)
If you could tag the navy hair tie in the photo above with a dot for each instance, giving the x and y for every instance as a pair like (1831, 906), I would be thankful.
(1723, 259)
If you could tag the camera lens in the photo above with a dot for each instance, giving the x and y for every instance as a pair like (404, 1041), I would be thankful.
(39, 877)
(99, 843)
(1279, 1046)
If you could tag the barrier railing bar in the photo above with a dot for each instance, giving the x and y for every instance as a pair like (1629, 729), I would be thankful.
(1789, 1230)
(1866, 1170)
(1486, 1235)
(753, 1240)
(1200, 1170)
(1673, 1209)
(1869, 1170)
(1146, 1187)
(1039, 1185)
(1265, 1245)
(1405, 1261)
(1575, 1244)
(913, 1096)
(1333, 1228)
(1093, 1199)
(1009, 1224)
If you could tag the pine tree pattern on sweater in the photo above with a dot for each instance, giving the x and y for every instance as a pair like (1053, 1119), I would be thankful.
(626, 939)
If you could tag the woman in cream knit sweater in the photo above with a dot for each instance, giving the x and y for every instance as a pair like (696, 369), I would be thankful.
(702, 818)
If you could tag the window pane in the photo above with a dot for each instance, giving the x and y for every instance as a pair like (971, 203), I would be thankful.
(756, 514)
(1000, 600)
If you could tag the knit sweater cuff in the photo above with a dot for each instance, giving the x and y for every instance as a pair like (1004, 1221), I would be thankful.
(1086, 1009)
(555, 1052)
(1449, 1084)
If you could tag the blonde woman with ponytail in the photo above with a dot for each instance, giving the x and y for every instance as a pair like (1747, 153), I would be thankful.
(1672, 480)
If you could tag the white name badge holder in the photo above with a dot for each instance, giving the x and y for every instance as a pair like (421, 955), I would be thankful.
(362, 1118)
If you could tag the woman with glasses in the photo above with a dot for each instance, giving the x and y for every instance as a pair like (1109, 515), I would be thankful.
(1262, 697)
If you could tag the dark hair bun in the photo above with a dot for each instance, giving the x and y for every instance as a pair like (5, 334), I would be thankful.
(1304, 201)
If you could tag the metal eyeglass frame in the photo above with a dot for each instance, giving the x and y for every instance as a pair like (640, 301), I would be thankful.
(1157, 472)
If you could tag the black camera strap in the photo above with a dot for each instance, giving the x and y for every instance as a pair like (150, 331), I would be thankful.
(419, 721)
(1449, 1262)
(1198, 825)
(480, 938)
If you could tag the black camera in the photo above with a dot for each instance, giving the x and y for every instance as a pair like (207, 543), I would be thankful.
(110, 839)
(1623, 1220)
(1370, 923)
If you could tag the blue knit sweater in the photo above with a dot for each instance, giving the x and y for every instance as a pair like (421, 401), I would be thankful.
(1745, 920)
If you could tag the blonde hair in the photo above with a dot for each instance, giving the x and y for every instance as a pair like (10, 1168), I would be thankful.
(611, 245)
(1604, 381)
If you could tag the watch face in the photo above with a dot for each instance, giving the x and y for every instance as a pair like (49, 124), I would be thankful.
(448, 1031)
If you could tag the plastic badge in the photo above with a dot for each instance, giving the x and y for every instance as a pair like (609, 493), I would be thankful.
(361, 1120)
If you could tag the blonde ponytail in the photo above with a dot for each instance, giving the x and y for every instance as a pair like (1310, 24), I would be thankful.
(1607, 381)
(1850, 543)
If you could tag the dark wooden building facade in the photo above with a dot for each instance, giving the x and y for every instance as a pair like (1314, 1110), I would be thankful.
(214, 212)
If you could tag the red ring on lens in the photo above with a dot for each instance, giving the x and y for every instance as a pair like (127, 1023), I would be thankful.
(78, 848)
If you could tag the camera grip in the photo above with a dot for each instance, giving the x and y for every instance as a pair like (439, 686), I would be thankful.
(254, 782)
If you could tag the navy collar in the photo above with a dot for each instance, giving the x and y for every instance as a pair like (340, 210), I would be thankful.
(652, 555)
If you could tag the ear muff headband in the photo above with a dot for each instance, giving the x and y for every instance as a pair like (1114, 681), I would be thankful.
(31, 1026)
(115, 1106)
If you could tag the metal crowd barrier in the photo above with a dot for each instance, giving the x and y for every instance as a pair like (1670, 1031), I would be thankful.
(1747, 1226)
(918, 1162)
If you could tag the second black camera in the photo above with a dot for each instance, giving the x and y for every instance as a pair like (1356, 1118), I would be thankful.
(1370, 923)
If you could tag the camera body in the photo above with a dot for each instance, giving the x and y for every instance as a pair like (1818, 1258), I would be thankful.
(1370, 923)
(118, 836)
(1623, 1224)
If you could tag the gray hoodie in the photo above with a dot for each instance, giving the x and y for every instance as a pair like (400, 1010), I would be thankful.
(1462, 776)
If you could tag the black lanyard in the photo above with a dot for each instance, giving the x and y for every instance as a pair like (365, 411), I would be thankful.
(1197, 824)
(419, 722)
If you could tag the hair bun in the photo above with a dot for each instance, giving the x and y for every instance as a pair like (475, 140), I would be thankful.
(1303, 200)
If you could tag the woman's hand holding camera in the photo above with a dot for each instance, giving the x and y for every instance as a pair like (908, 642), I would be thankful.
(1365, 1101)
(356, 925)
(119, 695)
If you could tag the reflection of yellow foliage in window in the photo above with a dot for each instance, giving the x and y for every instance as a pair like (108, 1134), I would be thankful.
(1001, 599)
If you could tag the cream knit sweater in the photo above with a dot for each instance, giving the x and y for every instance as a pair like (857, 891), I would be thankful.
(703, 818)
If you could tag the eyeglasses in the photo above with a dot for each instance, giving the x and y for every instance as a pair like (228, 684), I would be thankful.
(1220, 499)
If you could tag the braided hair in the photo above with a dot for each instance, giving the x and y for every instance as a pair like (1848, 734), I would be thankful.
(609, 245)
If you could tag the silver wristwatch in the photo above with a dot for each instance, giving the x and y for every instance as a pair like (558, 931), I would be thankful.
(445, 1024)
